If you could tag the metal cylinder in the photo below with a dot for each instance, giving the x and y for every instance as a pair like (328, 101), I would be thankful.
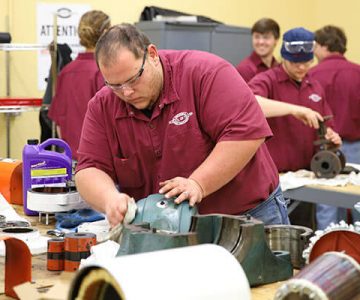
(291, 238)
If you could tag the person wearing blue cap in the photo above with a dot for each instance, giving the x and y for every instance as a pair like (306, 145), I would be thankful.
(291, 83)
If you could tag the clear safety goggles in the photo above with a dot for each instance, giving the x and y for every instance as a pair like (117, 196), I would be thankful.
(298, 46)
(130, 82)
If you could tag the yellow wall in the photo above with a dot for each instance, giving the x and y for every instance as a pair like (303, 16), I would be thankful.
(344, 14)
(311, 14)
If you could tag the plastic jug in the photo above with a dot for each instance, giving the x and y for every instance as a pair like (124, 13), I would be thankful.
(43, 167)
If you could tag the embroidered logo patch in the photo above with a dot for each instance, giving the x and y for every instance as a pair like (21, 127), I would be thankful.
(315, 97)
(181, 118)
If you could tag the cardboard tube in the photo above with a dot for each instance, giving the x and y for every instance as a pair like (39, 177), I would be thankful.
(197, 272)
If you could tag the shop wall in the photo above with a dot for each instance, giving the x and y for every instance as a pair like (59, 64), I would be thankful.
(344, 14)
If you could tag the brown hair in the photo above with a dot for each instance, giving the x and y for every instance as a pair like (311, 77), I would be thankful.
(332, 37)
(266, 25)
(92, 24)
(119, 36)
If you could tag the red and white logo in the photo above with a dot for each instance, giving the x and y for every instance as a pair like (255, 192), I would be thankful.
(315, 97)
(181, 118)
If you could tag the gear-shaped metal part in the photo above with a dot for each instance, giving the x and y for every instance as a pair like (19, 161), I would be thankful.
(340, 237)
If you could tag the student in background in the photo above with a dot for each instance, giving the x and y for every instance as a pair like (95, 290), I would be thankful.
(78, 81)
(63, 57)
(292, 145)
(265, 35)
(340, 79)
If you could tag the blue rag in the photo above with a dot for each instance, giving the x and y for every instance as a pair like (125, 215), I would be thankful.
(72, 219)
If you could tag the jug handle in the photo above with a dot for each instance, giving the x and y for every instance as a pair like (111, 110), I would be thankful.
(56, 142)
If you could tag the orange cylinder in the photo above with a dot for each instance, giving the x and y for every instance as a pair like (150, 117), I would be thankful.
(77, 246)
(55, 255)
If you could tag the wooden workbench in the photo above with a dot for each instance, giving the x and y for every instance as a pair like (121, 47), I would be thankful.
(42, 276)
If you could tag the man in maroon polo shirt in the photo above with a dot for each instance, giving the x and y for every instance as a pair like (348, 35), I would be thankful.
(265, 34)
(182, 123)
(292, 145)
(340, 79)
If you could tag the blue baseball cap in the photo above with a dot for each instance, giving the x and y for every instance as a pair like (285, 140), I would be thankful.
(298, 45)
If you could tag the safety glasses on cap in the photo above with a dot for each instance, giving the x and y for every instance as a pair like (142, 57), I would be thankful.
(298, 46)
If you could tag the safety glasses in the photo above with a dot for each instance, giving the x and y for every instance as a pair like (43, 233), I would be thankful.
(129, 83)
(298, 46)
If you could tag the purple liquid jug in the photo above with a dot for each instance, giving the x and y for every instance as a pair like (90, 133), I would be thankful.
(43, 167)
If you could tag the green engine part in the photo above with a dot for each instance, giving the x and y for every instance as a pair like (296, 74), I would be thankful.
(244, 237)
(163, 214)
(161, 224)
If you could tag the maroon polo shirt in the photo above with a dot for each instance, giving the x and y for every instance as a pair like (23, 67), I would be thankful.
(341, 82)
(204, 101)
(292, 144)
(77, 83)
(253, 65)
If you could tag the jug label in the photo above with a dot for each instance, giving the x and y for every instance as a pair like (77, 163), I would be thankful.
(48, 172)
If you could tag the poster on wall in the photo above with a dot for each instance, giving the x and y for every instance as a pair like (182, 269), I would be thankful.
(67, 20)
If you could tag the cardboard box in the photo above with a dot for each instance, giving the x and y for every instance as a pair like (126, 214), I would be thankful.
(58, 288)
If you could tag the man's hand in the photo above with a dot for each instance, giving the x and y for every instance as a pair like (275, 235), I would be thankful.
(308, 116)
(333, 136)
(116, 208)
(184, 188)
